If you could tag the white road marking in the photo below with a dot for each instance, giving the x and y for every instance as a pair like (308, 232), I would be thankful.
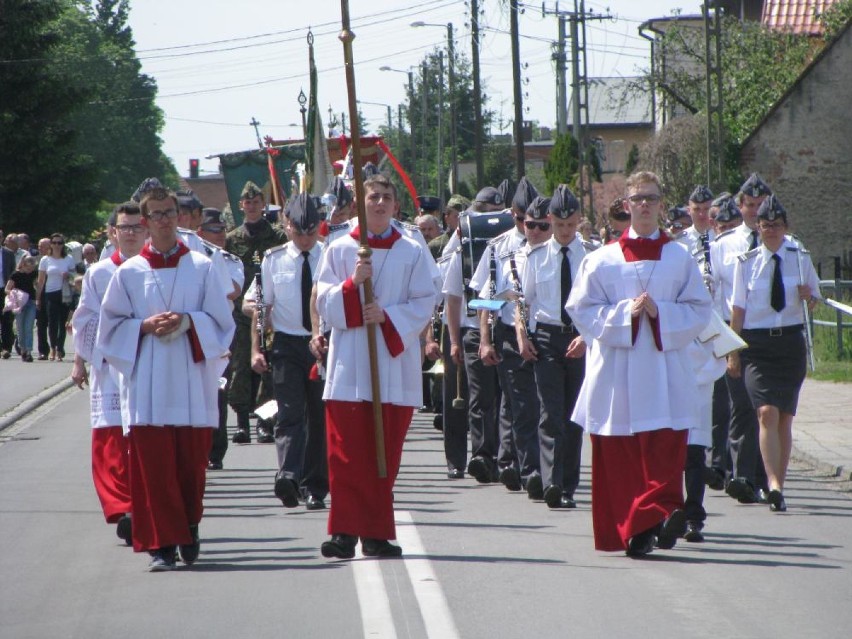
(376, 618)
(430, 597)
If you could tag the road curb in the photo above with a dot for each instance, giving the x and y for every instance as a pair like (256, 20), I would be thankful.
(834, 470)
(34, 402)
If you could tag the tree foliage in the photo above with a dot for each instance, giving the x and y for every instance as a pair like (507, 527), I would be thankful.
(677, 154)
(561, 167)
(836, 17)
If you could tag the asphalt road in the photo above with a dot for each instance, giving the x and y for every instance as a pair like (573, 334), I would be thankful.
(479, 562)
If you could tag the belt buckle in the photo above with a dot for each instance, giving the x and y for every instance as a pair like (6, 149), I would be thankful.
(775, 332)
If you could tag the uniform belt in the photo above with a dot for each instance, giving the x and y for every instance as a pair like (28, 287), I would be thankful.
(556, 328)
(291, 336)
(773, 332)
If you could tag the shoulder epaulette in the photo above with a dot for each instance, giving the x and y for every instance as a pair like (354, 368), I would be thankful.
(721, 235)
(505, 255)
(532, 249)
(186, 231)
(590, 246)
(334, 228)
(447, 256)
(274, 249)
(743, 257)
(411, 228)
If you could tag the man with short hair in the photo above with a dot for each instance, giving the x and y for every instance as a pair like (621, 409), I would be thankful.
(639, 303)
(90, 256)
(450, 220)
(361, 502)
(165, 325)
(428, 225)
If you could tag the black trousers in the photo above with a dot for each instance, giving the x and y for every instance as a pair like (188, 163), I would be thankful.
(517, 380)
(300, 425)
(219, 445)
(7, 321)
(482, 407)
(743, 435)
(454, 419)
(720, 456)
(558, 379)
(57, 313)
(41, 327)
(694, 478)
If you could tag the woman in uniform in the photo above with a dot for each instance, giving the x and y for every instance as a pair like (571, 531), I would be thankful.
(770, 283)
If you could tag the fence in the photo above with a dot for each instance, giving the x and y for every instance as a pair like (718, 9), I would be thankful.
(840, 289)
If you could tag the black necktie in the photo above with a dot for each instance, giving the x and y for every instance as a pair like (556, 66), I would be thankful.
(307, 284)
(566, 285)
(777, 299)
(753, 244)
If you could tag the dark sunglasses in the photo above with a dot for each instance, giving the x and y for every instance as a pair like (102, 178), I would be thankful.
(541, 226)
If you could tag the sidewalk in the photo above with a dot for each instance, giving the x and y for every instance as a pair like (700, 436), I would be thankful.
(822, 428)
(26, 386)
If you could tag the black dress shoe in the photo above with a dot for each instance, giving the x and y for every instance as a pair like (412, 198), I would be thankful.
(242, 436)
(379, 548)
(741, 490)
(214, 465)
(535, 490)
(776, 501)
(641, 544)
(479, 470)
(124, 530)
(287, 491)
(438, 422)
(693, 532)
(510, 478)
(762, 496)
(672, 529)
(339, 546)
(553, 496)
(714, 478)
(455, 473)
(264, 434)
(567, 501)
(189, 552)
(313, 502)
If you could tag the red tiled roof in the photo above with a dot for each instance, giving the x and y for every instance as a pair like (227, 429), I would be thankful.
(797, 16)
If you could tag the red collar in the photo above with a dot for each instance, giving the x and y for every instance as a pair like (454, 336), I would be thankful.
(156, 260)
(636, 249)
(116, 258)
(376, 242)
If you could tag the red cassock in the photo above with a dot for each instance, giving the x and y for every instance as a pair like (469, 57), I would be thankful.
(110, 471)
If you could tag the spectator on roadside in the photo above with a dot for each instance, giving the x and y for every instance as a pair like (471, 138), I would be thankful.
(54, 278)
(7, 267)
(23, 280)
(90, 256)
(428, 225)
(41, 305)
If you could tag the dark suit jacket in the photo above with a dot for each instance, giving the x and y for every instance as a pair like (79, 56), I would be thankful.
(8, 263)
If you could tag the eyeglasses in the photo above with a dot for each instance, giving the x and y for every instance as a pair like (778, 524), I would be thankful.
(159, 215)
(641, 198)
(541, 226)
(129, 228)
(773, 226)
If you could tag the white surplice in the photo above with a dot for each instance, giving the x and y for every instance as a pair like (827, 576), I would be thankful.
(160, 383)
(631, 388)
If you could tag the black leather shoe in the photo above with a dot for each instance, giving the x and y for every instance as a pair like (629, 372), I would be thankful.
(189, 552)
(479, 470)
(535, 490)
(264, 433)
(242, 436)
(339, 546)
(455, 473)
(693, 532)
(741, 490)
(379, 548)
(314, 503)
(641, 545)
(510, 478)
(776, 501)
(214, 465)
(553, 496)
(438, 422)
(762, 496)
(673, 528)
(124, 530)
(287, 491)
(567, 501)
(714, 478)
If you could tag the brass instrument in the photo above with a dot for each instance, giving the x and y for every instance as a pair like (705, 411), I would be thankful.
(260, 306)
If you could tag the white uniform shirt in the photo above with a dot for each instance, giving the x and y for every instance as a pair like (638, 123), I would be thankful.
(691, 238)
(753, 274)
(724, 251)
(454, 285)
(542, 279)
(503, 247)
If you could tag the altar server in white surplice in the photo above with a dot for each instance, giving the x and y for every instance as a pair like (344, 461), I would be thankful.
(639, 303)
(166, 326)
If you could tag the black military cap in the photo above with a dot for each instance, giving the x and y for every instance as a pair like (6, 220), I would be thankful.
(490, 195)
(771, 210)
(563, 204)
(148, 184)
(429, 203)
(188, 199)
(338, 190)
(525, 193)
(539, 207)
(719, 200)
(755, 186)
(250, 190)
(616, 210)
(369, 170)
(302, 213)
(701, 194)
(676, 213)
(507, 190)
(213, 218)
(728, 211)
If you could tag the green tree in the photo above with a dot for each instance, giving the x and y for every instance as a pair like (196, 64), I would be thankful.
(561, 167)
(632, 160)
(46, 183)
(836, 17)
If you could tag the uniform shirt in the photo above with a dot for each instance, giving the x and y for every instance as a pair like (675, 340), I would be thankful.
(281, 273)
(223, 262)
(753, 273)
(542, 282)
(691, 238)
(503, 247)
(724, 251)
(454, 285)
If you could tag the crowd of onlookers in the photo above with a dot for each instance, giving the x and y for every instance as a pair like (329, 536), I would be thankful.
(41, 286)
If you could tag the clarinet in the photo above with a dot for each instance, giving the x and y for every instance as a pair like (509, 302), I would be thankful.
(520, 302)
(260, 305)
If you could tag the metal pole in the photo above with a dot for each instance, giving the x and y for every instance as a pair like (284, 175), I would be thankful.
(423, 127)
(561, 92)
(440, 168)
(454, 168)
(477, 94)
(519, 100)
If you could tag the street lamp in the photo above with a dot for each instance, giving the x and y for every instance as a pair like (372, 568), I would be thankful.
(382, 104)
(303, 100)
(410, 111)
(454, 163)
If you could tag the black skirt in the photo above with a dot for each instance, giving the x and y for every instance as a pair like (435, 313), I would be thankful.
(774, 368)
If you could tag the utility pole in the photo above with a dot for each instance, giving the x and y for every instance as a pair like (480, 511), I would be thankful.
(256, 124)
(454, 164)
(477, 93)
(424, 184)
(440, 190)
(715, 128)
(516, 82)
(561, 91)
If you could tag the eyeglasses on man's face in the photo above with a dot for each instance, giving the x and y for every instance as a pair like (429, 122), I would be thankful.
(156, 216)
(129, 228)
(541, 226)
(642, 198)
